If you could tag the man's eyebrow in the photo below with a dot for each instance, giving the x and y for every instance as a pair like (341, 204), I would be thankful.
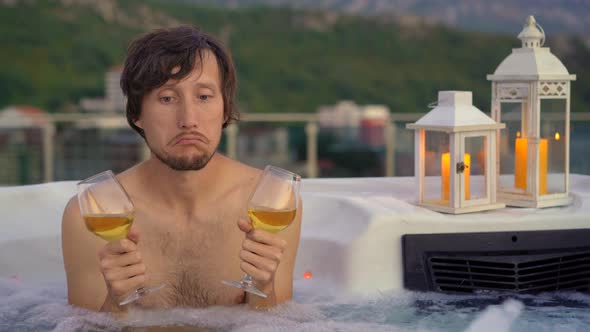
(208, 85)
(168, 85)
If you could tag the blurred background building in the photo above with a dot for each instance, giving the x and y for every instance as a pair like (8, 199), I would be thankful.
(325, 92)
(113, 101)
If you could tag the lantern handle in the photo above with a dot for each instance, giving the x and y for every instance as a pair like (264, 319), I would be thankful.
(543, 32)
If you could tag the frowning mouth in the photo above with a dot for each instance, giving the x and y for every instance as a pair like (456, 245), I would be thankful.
(191, 138)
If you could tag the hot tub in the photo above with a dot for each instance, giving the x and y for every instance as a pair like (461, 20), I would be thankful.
(352, 244)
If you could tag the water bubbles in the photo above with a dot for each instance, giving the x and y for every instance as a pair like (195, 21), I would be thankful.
(27, 307)
(497, 318)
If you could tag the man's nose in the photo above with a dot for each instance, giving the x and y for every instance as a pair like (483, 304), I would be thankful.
(188, 114)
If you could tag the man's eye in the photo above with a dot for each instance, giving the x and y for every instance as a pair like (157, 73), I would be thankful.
(166, 99)
(204, 97)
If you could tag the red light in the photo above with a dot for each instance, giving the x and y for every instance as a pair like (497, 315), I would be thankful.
(307, 275)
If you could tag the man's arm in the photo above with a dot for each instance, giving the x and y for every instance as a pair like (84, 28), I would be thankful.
(280, 286)
(99, 274)
(86, 286)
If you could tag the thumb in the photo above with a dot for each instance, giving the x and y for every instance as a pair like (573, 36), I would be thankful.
(133, 235)
(245, 225)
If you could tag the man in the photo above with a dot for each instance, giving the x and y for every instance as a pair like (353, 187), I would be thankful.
(188, 198)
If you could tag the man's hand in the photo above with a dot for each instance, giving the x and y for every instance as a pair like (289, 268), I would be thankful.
(122, 268)
(261, 254)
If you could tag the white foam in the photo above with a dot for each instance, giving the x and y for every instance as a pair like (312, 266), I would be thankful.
(34, 307)
(497, 318)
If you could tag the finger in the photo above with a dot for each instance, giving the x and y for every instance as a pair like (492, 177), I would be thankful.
(115, 261)
(133, 235)
(245, 225)
(121, 246)
(262, 236)
(124, 273)
(259, 262)
(263, 250)
(116, 248)
(256, 274)
(126, 286)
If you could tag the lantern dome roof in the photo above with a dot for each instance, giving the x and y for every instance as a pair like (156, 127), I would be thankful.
(532, 61)
(455, 112)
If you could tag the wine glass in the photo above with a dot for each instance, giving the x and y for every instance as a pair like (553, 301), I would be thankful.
(108, 213)
(272, 207)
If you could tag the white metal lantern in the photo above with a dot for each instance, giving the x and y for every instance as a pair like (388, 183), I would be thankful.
(455, 158)
(531, 95)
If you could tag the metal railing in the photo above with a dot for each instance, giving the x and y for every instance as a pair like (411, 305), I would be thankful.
(58, 148)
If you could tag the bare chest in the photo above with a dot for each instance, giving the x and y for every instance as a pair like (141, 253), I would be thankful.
(191, 258)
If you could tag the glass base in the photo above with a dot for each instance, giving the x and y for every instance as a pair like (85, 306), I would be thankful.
(246, 286)
(139, 293)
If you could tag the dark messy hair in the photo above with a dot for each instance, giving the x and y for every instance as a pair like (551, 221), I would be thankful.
(152, 57)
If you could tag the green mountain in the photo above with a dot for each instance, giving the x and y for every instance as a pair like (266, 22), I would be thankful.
(53, 53)
(558, 16)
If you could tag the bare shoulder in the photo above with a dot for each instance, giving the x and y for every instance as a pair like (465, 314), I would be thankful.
(80, 247)
(242, 174)
(75, 235)
(130, 177)
(241, 167)
(71, 218)
(73, 230)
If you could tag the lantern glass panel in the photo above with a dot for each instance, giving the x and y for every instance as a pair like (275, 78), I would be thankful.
(512, 161)
(437, 168)
(474, 177)
(552, 148)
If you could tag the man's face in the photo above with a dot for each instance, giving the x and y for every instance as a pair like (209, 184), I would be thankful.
(182, 120)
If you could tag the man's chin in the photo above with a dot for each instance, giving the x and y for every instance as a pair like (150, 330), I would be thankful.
(184, 163)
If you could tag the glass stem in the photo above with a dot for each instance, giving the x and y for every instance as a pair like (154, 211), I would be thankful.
(247, 280)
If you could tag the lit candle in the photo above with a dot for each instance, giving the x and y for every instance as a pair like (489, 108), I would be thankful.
(445, 166)
(543, 167)
(556, 146)
(467, 173)
(520, 164)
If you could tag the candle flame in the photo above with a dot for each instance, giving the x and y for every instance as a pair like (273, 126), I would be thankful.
(557, 136)
(518, 134)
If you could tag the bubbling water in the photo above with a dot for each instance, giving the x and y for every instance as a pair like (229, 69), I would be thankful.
(27, 307)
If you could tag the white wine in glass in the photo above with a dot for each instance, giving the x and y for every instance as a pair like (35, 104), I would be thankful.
(271, 220)
(109, 227)
(272, 207)
(108, 213)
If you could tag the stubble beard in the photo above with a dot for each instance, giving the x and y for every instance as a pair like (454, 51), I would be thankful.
(183, 163)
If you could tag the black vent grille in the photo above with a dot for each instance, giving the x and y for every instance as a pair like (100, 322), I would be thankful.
(458, 272)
